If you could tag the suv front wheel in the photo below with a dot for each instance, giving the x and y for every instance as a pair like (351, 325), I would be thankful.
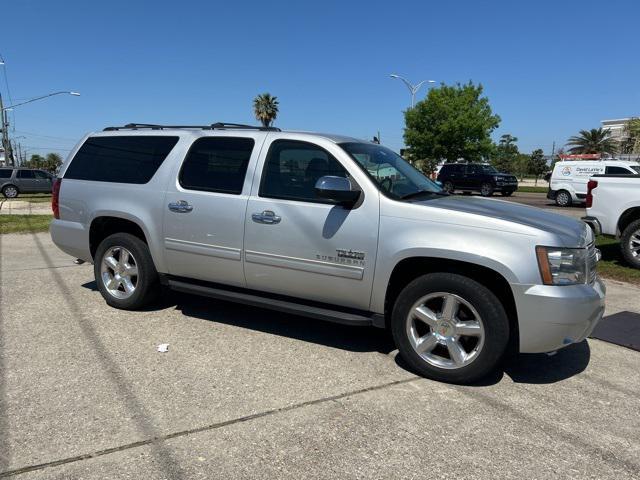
(486, 189)
(450, 328)
(125, 273)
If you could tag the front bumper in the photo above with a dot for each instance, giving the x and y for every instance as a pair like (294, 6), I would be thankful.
(506, 187)
(551, 317)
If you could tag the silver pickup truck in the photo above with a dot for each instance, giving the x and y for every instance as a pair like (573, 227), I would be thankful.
(329, 227)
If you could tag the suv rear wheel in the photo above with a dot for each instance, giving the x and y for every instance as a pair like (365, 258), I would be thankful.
(10, 191)
(563, 198)
(450, 328)
(124, 272)
(630, 244)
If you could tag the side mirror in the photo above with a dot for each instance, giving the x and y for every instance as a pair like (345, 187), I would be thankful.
(338, 189)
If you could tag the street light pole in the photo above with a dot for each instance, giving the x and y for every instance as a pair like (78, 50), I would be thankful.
(413, 89)
(75, 94)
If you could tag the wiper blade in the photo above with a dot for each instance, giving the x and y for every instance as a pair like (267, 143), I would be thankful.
(423, 192)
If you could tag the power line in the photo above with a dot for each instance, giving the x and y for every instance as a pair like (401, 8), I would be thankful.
(46, 136)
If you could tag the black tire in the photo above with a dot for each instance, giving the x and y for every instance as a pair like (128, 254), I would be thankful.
(486, 189)
(448, 187)
(630, 244)
(507, 193)
(563, 198)
(10, 191)
(490, 309)
(147, 285)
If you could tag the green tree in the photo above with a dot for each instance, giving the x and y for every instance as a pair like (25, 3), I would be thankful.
(521, 165)
(265, 108)
(632, 132)
(51, 162)
(537, 164)
(453, 122)
(596, 140)
(506, 154)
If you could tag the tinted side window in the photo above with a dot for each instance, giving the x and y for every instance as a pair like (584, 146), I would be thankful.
(473, 170)
(5, 173)
(41, 175)
(26, 174)
(216, 164)
(292, 169)
(132, 159)
(618, 171)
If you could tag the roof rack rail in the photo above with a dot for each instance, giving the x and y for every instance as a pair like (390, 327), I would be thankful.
(224, 125)
(213, 126)
(136, 126)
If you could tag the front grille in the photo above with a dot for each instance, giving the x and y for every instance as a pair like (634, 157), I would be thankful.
(593, 255)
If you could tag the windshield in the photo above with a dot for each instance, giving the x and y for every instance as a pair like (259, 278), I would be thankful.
(394, 176)
(636, 168)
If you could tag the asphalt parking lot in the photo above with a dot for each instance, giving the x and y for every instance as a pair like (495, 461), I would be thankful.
(247, 393)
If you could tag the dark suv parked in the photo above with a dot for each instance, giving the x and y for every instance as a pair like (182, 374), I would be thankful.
(14, 181)
(476, 177)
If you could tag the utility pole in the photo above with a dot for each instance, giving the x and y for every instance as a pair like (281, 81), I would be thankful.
(6, 144)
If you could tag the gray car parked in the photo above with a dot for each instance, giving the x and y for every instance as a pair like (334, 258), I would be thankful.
(329, 227)
(14, 181)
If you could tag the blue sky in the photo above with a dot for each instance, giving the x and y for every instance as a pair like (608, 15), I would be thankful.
(548, 68)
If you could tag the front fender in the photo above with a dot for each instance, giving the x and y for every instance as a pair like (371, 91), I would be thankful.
(512, 255)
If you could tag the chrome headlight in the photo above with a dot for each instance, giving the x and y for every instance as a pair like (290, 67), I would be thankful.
(562, 266)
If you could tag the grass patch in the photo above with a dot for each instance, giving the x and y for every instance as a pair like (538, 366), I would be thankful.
(24, 223)
(33, 197)
(527, 189)
(612, 264)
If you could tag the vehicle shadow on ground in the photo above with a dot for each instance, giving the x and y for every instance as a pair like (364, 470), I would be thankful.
(538, 368)
(523, 368)
(345, 337)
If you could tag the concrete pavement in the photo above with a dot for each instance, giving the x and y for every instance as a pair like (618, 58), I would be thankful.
(248, 393)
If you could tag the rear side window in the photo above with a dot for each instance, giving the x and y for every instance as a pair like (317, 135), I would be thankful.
(5, 173)
(618, 171)
(26, 174)
(122, 159)
(217, 164)
(449, 169)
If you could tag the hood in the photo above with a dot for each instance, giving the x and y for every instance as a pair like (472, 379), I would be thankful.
(571, 231)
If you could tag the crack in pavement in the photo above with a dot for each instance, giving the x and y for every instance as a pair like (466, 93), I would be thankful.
(206, 428)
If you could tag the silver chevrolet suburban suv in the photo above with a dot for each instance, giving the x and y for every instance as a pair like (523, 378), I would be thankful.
(329, 227)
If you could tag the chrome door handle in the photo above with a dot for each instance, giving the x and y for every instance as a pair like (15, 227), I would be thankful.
(181, 206)
(267, 217)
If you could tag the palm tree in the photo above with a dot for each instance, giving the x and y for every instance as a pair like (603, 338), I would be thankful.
(265, 108)
(595, 140)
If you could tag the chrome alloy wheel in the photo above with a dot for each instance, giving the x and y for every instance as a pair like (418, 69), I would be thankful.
(634, 244)
(563, 199)
(119, 272)
(10, 192)
(445, 330)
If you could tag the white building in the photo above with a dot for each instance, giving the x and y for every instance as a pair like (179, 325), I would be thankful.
(616, 127)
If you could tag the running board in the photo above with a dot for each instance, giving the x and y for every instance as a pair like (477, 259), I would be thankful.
(320, 313)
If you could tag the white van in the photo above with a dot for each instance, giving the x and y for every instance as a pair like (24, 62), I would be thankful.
(569, 179)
